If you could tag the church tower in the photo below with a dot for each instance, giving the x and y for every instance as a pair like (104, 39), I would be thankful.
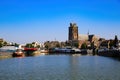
(73, 32)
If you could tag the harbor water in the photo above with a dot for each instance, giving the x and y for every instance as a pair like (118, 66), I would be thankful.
(60, 67)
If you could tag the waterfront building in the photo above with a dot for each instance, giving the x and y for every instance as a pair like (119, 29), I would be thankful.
(1, 40)
(75, 38)
(8, 48)
(36, 44)
(119, 45)
(105, 44)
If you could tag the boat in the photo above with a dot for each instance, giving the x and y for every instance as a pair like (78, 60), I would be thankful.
(18, 53)
(44, 51)
(30, 49)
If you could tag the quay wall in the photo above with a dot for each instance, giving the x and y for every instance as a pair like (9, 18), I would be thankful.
(82, 52)
(110, 53)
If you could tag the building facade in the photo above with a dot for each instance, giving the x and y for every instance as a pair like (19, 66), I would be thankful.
(73, 32)
(75, 38)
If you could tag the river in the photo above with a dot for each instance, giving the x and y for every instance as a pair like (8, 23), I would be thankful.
(60, 67)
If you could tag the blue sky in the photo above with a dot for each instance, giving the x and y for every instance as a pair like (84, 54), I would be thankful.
(24, 21)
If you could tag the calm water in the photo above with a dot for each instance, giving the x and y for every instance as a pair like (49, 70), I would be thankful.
(60, 67)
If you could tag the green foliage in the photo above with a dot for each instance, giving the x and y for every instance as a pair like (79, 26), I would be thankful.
(33, 42)
(76, 45)
(38, 46)
(1, 44)
(84, 46)
(16, 45)
(57, 45)
(47, 43)
(46, 46)
(111, 44)
(5, 43)
(29, 46)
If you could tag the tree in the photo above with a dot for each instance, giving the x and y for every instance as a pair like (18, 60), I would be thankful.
(111, 44)
(5, 43)
(33, 42)
(57, 45)
(38, 46)
(29, 46)
(46, 46)
(76, 45)
(16, 45)
(84, 46)
(1, 44)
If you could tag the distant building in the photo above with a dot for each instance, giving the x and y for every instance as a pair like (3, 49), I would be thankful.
(53, 44)
(105, 44)
(1, 40)
(74, 37)
(102, 39)
(73, 32)
(8, 48)
(83, 37)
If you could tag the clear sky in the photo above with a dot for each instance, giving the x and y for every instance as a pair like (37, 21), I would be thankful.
(24, 21)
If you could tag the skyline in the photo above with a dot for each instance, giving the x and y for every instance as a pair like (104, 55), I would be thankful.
(24, 21)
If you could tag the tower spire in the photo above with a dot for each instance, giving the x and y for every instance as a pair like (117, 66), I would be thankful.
(73, 32)
(88, 32)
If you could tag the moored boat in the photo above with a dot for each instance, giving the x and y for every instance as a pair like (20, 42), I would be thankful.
(30, 51)
(18, 53)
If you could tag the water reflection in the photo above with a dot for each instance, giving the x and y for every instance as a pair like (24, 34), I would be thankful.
(60, 67)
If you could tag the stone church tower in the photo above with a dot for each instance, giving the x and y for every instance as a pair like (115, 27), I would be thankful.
(73, 32)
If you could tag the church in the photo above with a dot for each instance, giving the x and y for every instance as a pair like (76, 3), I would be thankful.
(74, 36)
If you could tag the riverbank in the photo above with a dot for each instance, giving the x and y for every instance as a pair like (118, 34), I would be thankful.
(106, 53)
(4, 55)
(110, 53)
